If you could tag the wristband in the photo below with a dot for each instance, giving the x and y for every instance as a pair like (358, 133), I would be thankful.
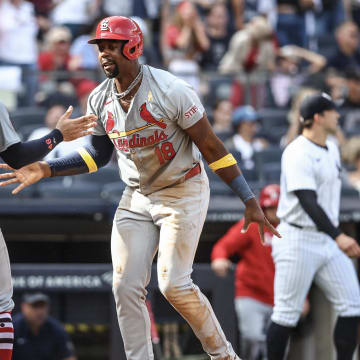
(225, 161)
(241, 188)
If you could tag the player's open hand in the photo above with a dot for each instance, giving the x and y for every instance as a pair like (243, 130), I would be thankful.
(72, 129)
(26, 176)
(253, 213)
(348, 245)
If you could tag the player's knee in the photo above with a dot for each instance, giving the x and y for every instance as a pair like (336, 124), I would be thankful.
(285, 317)
(120, 288)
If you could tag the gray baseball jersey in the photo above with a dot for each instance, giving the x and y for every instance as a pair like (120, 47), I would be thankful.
(307, 166)
(152, 148)
(8, 135)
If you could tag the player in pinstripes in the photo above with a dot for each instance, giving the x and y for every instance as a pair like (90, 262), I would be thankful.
(17, 154)
(160, 131)
(313, 248)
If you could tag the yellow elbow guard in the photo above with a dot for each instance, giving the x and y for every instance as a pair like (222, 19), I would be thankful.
(89, 161)
(226, 161)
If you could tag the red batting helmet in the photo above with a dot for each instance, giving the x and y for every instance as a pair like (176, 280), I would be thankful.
(121, 28)
(269, 196)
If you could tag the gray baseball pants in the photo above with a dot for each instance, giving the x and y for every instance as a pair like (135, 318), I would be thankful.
(6, 289)
(170, 221)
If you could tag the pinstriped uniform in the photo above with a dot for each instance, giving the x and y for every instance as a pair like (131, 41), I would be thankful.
(304, 255)
(8, 137)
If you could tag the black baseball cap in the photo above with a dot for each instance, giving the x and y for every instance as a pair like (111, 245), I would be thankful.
(315, 104)
(35, 298)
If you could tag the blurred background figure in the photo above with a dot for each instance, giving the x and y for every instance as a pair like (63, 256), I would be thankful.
(245, 124)
(217, 31)
(346, 53)
(221, 118)
(254, 275)
(251, 57)
(18, 46)
(38, 336)
(75, 15)
(293, 66)
(56, 52)
(184, 39)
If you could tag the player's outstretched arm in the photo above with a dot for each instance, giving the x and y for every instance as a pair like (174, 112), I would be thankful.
(21, 154)
(224, 164)
(87, 159)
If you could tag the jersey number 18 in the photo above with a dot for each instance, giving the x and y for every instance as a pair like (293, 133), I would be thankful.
(165, 152)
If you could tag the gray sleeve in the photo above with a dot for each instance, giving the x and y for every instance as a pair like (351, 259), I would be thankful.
(184, 104)
(93, 107)
(8, 135)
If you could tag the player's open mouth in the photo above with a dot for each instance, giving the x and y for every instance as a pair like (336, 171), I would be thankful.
(107, 65)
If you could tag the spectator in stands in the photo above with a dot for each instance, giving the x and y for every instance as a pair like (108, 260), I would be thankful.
(254, 276)
(53, 114)
(351, 156)
(251, 57)
(18, 47)
(56, 55)
(245, 122)
(351, 103)
(291, 23)
(221, 118)
(216, 25)
(347, 52)
(75, 15)
(185, 39)
(290, 72)
(38, 336)
(83, 56)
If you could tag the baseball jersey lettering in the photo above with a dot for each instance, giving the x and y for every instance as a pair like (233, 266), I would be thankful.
(149, 138)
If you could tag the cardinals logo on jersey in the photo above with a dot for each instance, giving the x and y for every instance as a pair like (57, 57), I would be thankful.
(110, 122)
(147, 116)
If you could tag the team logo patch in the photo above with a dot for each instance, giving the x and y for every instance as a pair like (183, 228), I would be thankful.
(110, 122)
(105, 25)
(147, 116)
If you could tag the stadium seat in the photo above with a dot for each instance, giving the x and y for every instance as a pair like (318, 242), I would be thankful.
(267, 162)
(271, 117)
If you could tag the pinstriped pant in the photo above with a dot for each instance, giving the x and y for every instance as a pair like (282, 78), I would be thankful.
(169, 220)
(6, 289)
(302, 256)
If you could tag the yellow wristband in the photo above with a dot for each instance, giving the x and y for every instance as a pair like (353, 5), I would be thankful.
(226, 161)
(89, 161)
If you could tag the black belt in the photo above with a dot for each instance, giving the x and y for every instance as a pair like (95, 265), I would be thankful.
(296, 225)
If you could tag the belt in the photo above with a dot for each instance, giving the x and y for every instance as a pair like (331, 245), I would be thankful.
(302, 227)
(192, 172)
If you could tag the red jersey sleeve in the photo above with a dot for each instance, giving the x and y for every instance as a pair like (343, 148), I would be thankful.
(233, 242)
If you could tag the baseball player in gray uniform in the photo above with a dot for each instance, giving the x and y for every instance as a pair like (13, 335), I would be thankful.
(17, 154)
(159, 129)
(313, 248)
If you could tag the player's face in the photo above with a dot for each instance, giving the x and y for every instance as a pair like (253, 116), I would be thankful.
(110, 57)
(330, 122)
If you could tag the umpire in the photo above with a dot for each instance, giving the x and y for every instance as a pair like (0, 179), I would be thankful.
(313, 248)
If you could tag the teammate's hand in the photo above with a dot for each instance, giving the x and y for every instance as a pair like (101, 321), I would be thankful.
(348, 245)
(72, 129)
(221, 266)
(253, 213)
(26, 175)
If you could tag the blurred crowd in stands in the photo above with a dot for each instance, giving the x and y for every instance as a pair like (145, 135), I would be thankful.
(251, 61)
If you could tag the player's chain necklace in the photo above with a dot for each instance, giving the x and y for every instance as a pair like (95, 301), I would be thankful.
(131, 86)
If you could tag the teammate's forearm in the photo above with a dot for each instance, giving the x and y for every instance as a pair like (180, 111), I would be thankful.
(21, 154)
(86, 159)
(308, 201)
